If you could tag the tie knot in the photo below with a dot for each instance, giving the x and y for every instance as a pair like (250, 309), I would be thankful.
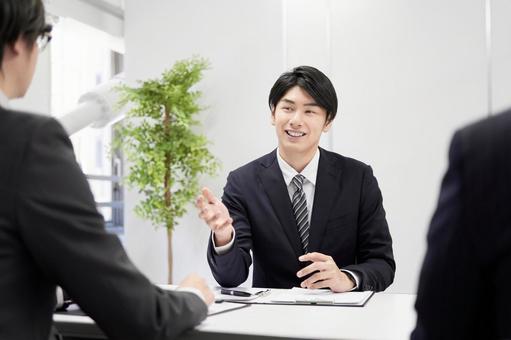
(298, 181)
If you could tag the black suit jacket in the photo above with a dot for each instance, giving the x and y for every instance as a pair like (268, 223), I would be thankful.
(51, 234)
(347, 223)
(464, 284)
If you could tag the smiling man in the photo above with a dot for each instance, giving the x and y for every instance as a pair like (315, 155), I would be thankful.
(312, 218)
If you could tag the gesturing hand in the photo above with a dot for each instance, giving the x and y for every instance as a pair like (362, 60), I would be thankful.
(216, 215)
(326, 274)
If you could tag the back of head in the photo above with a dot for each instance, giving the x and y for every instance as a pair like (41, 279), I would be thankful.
(313, 81)
(20, 18)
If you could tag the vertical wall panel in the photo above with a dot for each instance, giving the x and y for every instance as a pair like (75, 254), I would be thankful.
(409, 73)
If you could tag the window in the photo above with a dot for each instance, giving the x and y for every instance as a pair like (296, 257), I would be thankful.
(82, 58)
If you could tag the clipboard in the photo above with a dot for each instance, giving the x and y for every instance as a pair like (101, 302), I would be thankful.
(301, 296)
(320, 297)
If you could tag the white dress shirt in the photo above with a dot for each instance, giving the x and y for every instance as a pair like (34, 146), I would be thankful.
(4, 101)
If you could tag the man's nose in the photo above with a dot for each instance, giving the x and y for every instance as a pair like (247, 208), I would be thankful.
(297, 119)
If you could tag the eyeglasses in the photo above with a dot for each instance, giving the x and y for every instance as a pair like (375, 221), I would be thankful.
(43, 40)
(44, 37)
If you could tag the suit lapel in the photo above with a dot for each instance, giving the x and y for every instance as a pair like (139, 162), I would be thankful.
(327, 187)
(275, 187)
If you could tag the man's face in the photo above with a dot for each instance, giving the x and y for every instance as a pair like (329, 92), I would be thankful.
(299, 122)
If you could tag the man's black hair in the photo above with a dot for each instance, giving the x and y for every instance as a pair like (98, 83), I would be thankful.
(21, 18)
(312, 81)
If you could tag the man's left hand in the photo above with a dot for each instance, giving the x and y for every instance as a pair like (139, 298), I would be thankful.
(326, 274)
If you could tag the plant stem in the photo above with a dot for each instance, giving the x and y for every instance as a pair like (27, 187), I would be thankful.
(167, 192)
(169, 254)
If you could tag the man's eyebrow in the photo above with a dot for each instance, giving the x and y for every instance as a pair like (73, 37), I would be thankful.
(289, 101)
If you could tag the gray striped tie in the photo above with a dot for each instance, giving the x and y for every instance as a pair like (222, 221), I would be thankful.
(300, 211)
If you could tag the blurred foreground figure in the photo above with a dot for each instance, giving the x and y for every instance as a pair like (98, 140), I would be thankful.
(464, 285)
(50, 231)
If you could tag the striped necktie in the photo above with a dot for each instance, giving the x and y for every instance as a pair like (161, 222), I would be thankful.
(300, 211)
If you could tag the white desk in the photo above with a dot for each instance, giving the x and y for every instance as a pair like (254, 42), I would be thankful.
(385, 316)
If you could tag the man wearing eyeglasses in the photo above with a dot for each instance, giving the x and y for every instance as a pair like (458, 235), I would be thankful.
(50, 231)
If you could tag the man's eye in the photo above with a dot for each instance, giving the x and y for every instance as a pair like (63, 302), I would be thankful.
(286, 108)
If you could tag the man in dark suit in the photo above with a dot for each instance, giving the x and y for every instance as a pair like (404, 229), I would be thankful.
(50, 231)
(464, 284)
(312, 218)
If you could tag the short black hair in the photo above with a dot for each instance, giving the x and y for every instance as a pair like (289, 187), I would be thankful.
(313, 81)
(21, 18)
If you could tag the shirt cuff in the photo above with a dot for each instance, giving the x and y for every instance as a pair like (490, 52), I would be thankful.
(192, 290)
(223, 249)
(354, 276)
(60, 297)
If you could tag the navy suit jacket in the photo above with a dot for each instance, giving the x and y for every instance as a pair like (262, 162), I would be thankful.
(464, 284)
(347, 223)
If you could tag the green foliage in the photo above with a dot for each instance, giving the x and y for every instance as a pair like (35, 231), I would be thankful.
(166, 156)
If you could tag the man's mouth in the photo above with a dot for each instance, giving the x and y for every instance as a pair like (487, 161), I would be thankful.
(293, 133)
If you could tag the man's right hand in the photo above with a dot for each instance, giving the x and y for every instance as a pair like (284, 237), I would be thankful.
(216, 215)
(197, 282)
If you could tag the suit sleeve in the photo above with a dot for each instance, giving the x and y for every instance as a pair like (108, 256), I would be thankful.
(231, 268)
(375, 262)
(66, 237)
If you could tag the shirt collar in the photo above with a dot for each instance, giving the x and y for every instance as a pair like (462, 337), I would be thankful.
(309, 172)
(4, 101)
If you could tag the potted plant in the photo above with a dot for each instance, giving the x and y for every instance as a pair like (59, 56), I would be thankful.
(165, 154)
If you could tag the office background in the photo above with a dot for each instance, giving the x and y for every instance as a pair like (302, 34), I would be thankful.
(407, 73)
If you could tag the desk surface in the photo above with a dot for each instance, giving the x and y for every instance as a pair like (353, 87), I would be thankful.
(385, 316)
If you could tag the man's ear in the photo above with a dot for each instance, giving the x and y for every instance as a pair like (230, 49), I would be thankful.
(19, 45)
(12, 50)
(273, 117)
(328, 126)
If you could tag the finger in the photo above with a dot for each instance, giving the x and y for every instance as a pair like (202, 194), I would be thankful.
(200, 203)
(321, 284)
(314, 257)
(210, 197)
(205, 213)
(319, 276)
(316, 266)
(212, 218)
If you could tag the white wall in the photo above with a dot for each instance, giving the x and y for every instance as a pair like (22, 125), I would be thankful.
(407, 72)
(501, 55)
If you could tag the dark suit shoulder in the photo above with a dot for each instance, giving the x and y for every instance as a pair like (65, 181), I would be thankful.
(17, 123)
(335, 159)
(344, 162)
(264, 161)
(17, 132)
(493, 132)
